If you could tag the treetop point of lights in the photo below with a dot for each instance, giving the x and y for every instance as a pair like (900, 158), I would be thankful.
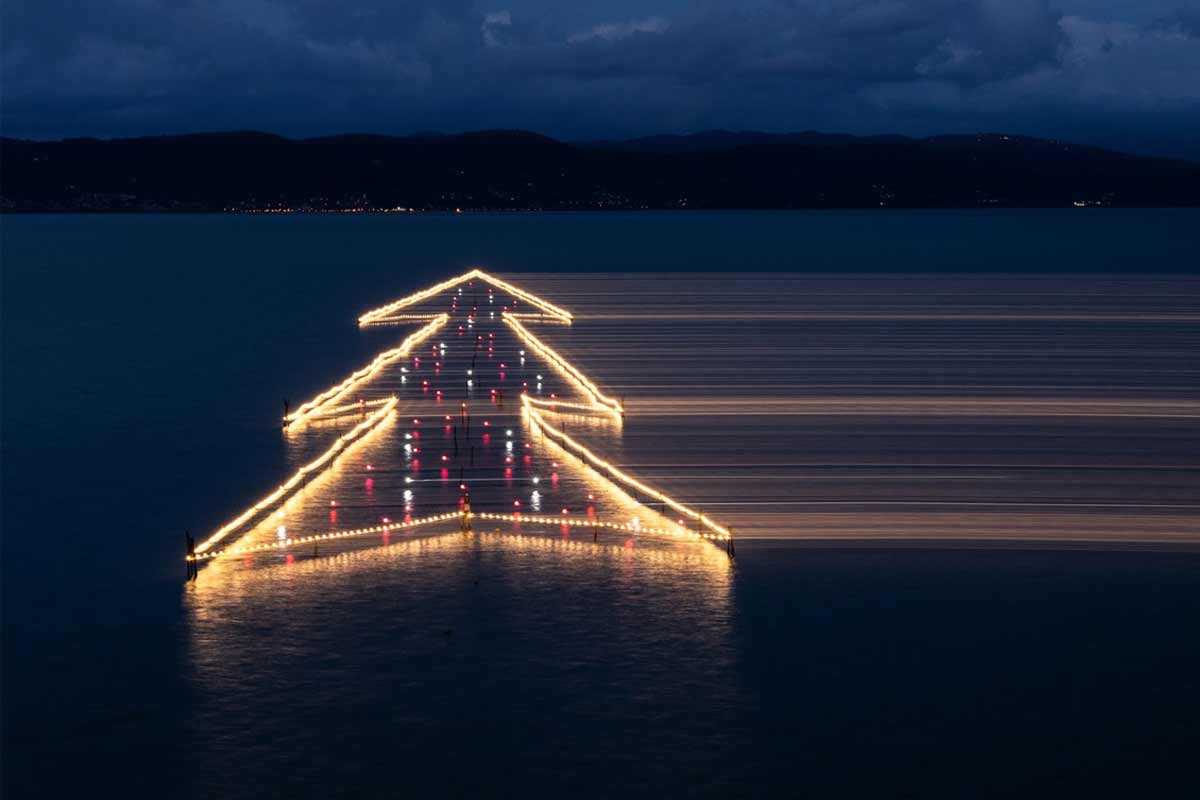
(533, 411)
(385, 313)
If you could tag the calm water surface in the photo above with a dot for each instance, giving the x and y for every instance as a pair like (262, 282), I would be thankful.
(953, 393)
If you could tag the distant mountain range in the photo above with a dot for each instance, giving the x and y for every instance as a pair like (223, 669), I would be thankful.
(517, 170)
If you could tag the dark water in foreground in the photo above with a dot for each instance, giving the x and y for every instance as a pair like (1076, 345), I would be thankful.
(144, 363)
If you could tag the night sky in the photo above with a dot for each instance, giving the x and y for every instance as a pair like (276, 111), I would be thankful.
(1122, 73)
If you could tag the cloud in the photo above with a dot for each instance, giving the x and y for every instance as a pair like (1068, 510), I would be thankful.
(495, 28)
(612, 31)
(310, 66)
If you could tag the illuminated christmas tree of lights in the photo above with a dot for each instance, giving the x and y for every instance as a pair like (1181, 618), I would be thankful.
(543, 416)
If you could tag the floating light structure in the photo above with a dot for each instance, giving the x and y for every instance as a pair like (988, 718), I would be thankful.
(533, 410)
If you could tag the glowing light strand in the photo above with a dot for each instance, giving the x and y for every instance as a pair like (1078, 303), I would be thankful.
(516, 518)
(588, 388)
(383, 313)
(350, 408)
(292, 541)
(335, 393)
(613, 472)
(366, 426)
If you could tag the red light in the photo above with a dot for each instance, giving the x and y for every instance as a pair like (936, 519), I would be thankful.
(486, 423)
(370, 467)
(386, 520)
(516, 503)
(565, 511)
(445, 457)
(333, 502)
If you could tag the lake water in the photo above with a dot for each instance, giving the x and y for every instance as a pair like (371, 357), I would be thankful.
(959, 450)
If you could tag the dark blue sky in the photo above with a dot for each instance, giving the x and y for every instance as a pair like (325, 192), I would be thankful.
(1124, 73)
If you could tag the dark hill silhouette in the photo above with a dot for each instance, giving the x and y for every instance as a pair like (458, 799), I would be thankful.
(248, 170)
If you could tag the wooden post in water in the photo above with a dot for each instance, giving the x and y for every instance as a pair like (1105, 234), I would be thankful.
(466, 515)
